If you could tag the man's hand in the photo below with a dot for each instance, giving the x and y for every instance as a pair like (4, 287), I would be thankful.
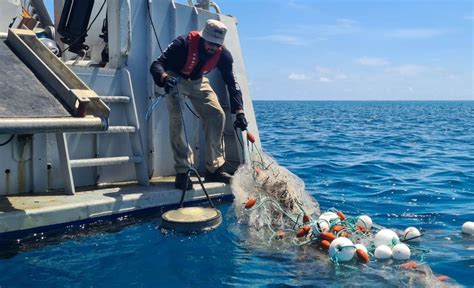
(170, 82)
(240, 121)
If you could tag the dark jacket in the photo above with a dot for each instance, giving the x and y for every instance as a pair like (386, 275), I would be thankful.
(174, 59)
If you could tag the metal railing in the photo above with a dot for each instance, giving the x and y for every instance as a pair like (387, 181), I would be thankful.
(205, 4)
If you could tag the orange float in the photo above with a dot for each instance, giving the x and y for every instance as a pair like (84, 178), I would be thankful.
(280, 235)
(327, 236)
(250, 202)
(337, 228)
(306, 218)
(250, 137)
(258, 170)
(363, 230)
(409, 265)
(362, 255)
(341, 215)
(325, 244)
(344, 234)
(442, 278)
(303, 231)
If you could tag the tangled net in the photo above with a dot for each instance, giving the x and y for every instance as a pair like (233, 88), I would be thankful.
(273, 203)
(281, 202)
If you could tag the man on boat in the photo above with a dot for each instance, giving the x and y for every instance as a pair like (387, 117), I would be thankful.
(180, 70)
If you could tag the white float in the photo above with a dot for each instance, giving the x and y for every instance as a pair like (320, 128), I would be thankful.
(401, 252)
(468, 228)
(386, 237)
(383, 252)
(364, 222)
(360, 246)
(338, 250)
(325, 219)
(411, 234)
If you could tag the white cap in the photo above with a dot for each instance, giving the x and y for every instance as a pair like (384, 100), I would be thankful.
(214, 31)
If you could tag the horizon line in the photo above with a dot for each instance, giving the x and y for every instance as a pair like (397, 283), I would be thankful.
(364, 100)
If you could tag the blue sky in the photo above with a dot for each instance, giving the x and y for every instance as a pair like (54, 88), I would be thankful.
(356, 50)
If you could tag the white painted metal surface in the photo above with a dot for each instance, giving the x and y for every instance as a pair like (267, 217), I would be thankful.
(21, 213)
(8, 11)
(33, 164)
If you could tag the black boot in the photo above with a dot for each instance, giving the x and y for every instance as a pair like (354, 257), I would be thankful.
(182, 180)
(218, 176)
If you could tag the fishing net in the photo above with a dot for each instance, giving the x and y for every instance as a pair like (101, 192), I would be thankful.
(272, 202)
(282, 204)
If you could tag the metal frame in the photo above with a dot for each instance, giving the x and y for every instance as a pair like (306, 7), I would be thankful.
(79, 99)
(132, 128)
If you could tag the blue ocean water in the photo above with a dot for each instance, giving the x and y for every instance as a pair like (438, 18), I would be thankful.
(402, 163)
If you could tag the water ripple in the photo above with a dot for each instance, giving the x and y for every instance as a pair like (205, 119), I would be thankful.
(404, 163)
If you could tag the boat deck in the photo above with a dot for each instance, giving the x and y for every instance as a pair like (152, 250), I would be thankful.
(28, 212)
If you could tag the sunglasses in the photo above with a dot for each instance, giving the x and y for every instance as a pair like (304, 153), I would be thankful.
(213, 44)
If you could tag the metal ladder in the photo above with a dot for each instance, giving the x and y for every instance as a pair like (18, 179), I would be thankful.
(132, 129)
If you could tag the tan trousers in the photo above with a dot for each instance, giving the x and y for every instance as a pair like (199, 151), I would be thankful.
(206, 103)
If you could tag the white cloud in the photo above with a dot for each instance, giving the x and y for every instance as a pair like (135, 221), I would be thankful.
(323, 70)
(408, 70)
(321, 74)
(344, 22)
(342, 26)
(298, 5)
(282, 39)
(341, 76)
(327, 74)
(298, 77)
(416, 33)
(371, 61)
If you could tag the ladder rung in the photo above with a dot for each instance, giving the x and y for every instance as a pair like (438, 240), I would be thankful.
(104, 161)
(113, 129)
(120, 129)
(115, 99)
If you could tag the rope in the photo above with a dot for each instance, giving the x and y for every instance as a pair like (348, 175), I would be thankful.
(191, 169)
(278, 217)
(153, 106)
(153, 25)
(8, 141)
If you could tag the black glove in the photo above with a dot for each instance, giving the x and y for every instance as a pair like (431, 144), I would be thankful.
(170, 82)
(240, 121)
